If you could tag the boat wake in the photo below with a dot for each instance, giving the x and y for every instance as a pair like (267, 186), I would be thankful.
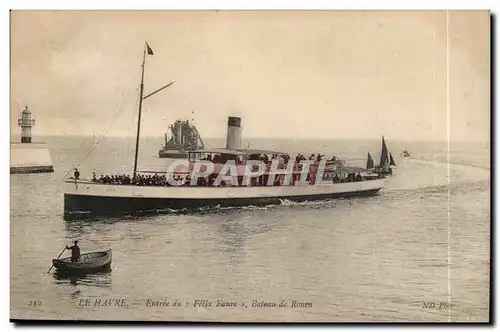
(284, 203)
(453, 188)
(453, 162)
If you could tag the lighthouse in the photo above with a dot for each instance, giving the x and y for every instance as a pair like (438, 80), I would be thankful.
(27, 156)
(26, 122)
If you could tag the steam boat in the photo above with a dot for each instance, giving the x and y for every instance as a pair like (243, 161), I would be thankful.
(184, 138)
(282, 179)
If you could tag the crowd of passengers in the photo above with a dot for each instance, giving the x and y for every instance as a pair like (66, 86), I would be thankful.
(316, 158)
(161, 180)
(140, 179)
(264, 158)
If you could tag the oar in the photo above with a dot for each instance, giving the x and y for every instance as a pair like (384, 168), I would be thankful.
(56, 258)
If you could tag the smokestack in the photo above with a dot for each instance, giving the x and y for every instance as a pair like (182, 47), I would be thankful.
(233, 141)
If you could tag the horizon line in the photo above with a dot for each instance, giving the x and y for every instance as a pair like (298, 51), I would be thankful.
(272, 137)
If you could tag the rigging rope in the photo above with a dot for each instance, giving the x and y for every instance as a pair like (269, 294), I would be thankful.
(96, 142)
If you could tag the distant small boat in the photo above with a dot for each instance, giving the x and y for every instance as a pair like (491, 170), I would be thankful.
(405, 153)
(88, 262)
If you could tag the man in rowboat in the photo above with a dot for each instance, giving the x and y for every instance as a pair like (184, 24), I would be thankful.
(75, 252)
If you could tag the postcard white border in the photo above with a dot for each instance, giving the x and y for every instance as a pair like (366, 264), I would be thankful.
(185, 4)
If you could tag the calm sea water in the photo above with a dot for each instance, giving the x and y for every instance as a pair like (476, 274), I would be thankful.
(425, 239)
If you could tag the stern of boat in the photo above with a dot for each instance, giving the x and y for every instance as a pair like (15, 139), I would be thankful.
(110, 257)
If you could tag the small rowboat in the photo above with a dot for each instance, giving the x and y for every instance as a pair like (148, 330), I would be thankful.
(89, 262)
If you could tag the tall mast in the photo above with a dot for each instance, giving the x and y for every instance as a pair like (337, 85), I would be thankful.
(149, 51)
(141, 91)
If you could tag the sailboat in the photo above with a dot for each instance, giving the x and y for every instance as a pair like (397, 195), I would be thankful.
(392, 162)
(371, 172)
(142, 193)
(384, 156)
(386, 161)
(369, 162)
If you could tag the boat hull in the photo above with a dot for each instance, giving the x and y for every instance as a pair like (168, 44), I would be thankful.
(98, 199)
(383, 172)
(172, 154)
(84, 266)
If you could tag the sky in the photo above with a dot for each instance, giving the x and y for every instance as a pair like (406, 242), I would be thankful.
(314, 74)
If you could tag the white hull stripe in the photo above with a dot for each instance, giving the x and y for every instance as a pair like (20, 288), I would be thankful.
(86, 188)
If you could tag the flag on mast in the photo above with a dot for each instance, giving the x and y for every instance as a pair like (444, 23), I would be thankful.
(150, 51)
